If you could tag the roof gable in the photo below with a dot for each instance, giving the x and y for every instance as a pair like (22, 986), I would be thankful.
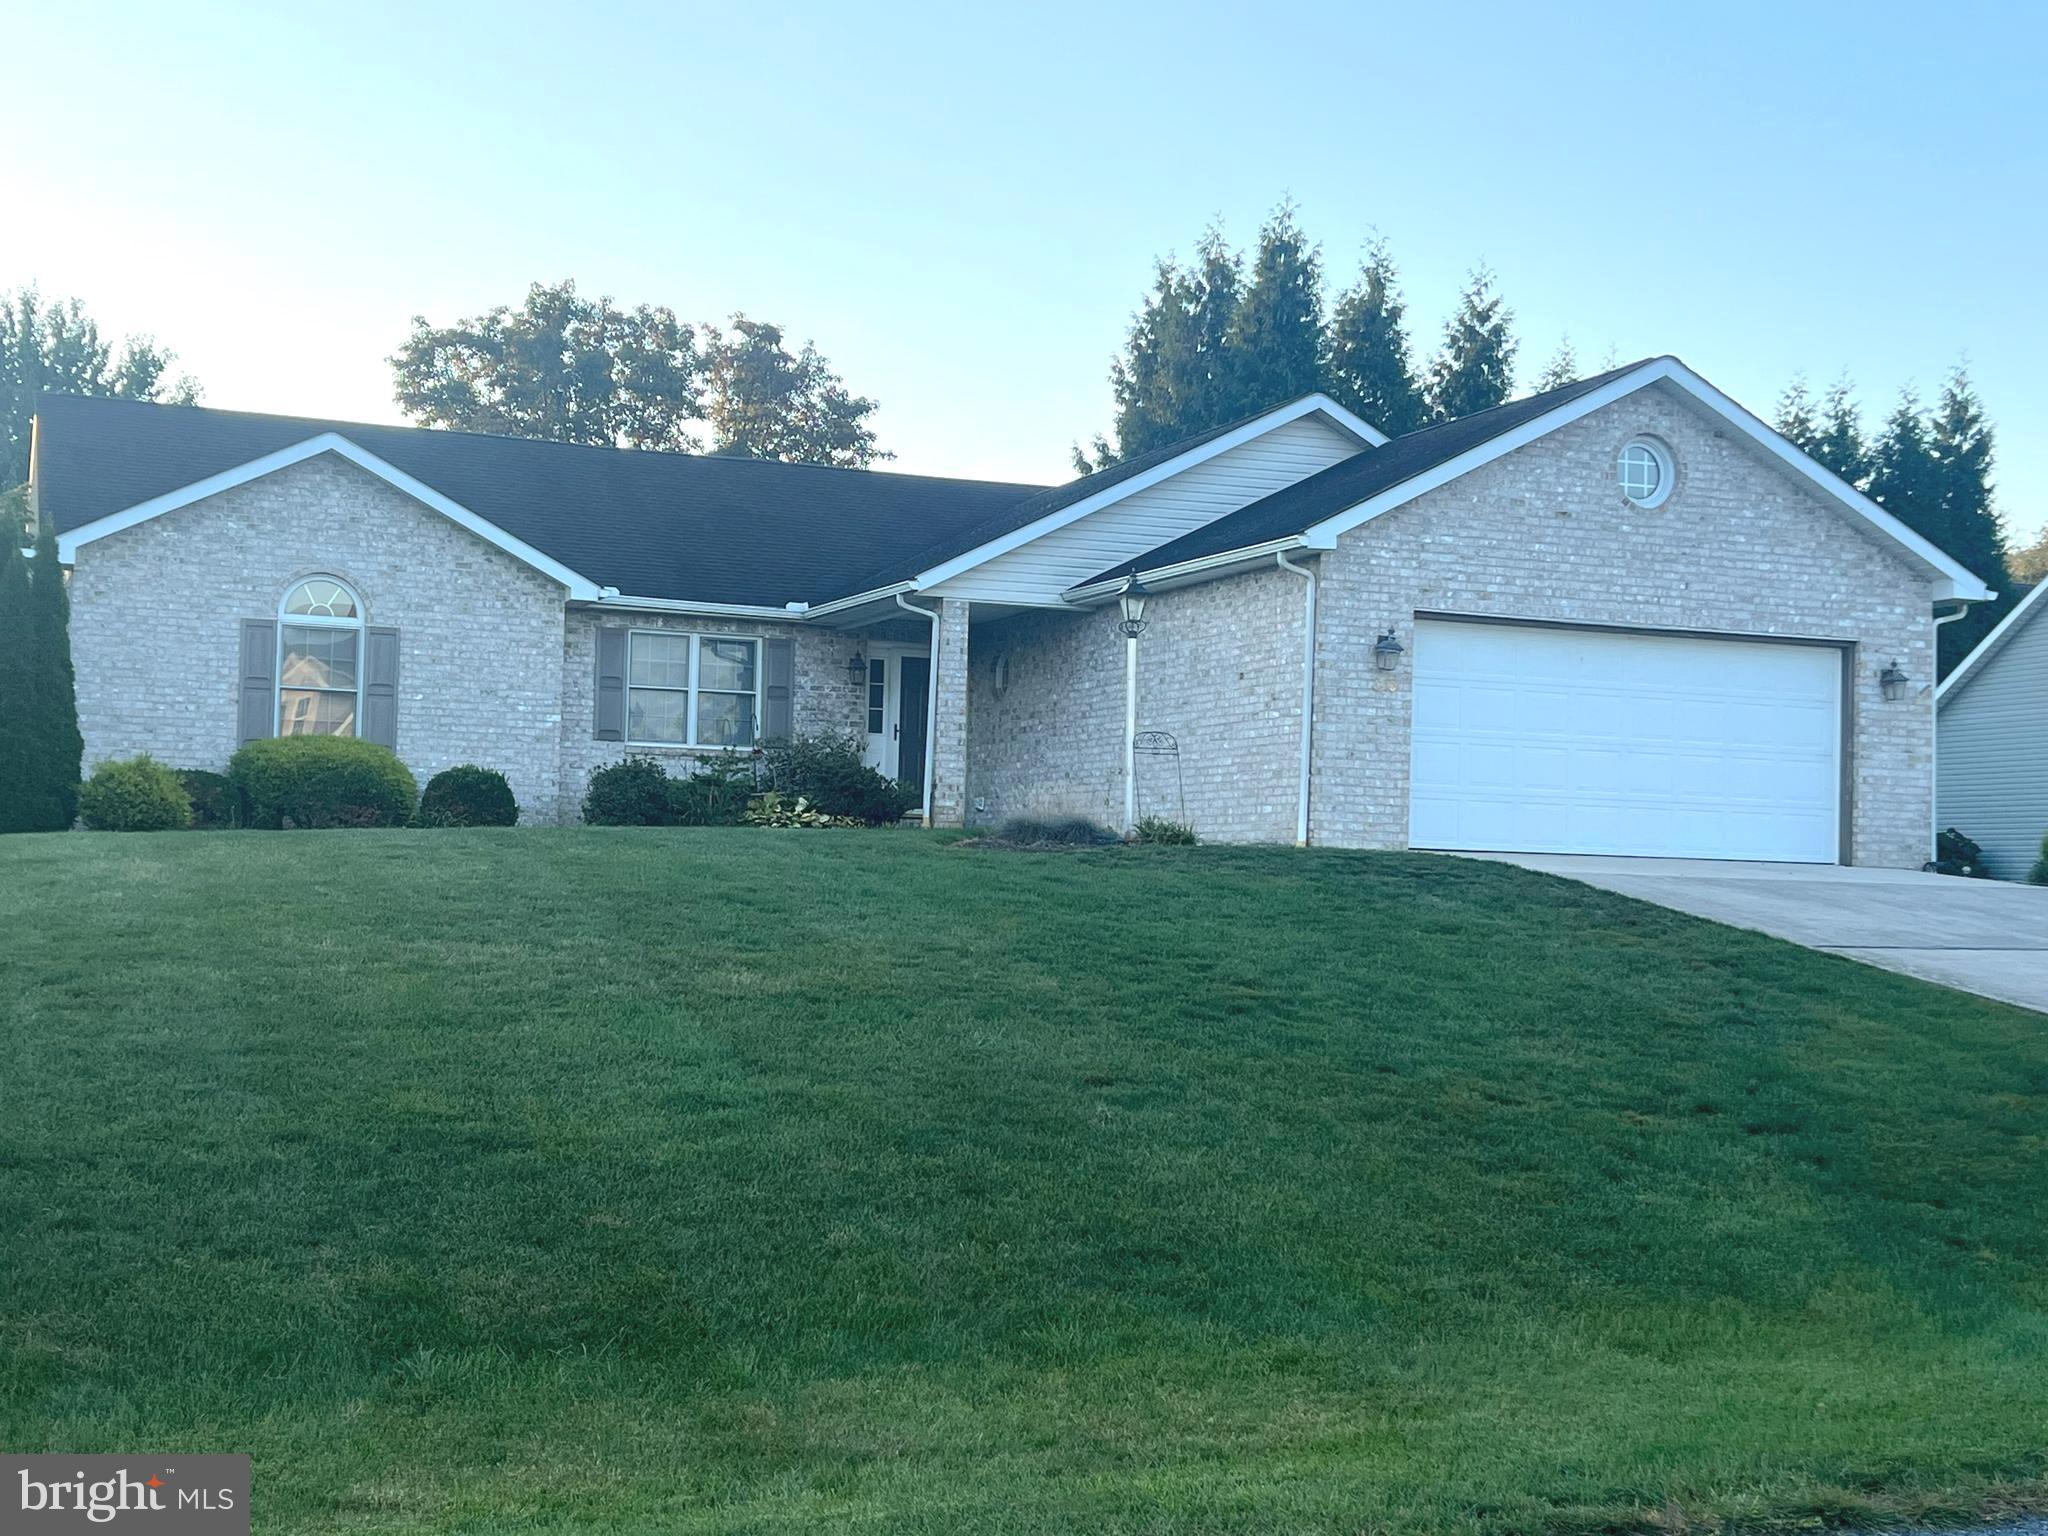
(1316, 512)
(2027, 611)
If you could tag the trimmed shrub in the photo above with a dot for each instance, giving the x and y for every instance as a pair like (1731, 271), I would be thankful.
(1060, 831)
(213, 799)
(629, 793)
(2038, 875)
(136, 795)
(1955, 854)
(321, 781)
(827, 771)
(1158, 829)
(467, 796)
(716, 795)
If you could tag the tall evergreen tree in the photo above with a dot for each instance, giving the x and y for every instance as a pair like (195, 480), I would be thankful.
(1475, 370)
(1275, 341)
(1175, 376)
(19, 782)
(1839, 442)
(1369, 369)
(1960, 445)
(1904, 479)
(1562, 369)
(55, 749)
(1797, 423)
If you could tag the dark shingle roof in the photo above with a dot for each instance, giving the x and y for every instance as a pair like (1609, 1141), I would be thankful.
(1300, 506)
(666, 525)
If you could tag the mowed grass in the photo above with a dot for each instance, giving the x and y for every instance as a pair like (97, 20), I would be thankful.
(742, 1181)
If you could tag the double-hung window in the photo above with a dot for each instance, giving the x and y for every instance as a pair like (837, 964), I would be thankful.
(692, 690)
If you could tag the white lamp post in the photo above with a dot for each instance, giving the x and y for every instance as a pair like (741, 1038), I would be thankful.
(1132, 602)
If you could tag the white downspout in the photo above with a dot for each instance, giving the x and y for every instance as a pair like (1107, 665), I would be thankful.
(1934, 706)
(931, 701)
(1308, 689)
(1130, 735)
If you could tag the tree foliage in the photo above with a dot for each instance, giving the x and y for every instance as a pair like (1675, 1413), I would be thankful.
(765, 402)
(54, 345)
(1224, 337)
(1369, 369)
(2029, 563)
(40, 749)
(1474, 370)
(575, 370)
(1562, 369)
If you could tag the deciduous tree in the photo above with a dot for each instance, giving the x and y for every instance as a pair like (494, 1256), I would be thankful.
(765, 402)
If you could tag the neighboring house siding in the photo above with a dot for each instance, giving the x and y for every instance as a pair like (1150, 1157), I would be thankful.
(1544, 533)
(157, 611)
(1219, 667)
(1992, 783)
(825, 696)
(1042, 570)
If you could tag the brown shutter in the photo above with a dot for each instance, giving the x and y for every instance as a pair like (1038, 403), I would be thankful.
(256, 716)
(778, 678)
(380, 686)
(611, 685)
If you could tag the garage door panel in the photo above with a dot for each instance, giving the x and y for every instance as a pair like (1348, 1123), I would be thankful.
(1549, 740)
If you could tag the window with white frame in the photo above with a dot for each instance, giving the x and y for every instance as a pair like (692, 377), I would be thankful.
(320, 653)
(685, 690)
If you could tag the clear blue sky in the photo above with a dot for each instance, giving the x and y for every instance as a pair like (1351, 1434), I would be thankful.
(961, 204)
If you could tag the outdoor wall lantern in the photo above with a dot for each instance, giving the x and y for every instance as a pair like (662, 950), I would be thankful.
(1387, 651)
(1133, 604)
(1892, 682)
(857, 669)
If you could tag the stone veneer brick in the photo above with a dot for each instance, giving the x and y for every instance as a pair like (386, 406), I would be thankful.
(950, 688)
(1544, 532)
(157, 611)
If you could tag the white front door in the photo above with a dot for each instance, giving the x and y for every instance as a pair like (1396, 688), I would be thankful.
(1534, 739)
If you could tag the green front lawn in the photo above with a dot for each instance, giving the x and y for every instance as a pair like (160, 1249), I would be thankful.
(744, 1181)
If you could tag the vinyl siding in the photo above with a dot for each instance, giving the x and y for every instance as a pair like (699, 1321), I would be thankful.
(1048, 566)
(1992, 775)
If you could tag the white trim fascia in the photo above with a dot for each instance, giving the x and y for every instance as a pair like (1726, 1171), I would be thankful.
(1280, 416)
(580, 587)
(1102, 591)
(1955, 583)
(873, 595)
(1993, 642)
(618, 604)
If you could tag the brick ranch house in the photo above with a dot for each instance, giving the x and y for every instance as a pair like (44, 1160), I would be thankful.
(1622, 616)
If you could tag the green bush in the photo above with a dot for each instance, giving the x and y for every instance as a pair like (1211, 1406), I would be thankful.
(321, 781)
(629, 793)
(2038, 875)
(715, 795)
(213, 798)
(1063, 831)
(467, 796)
(775, 809)
(1157, 829)
(827, 771)
(138, 794)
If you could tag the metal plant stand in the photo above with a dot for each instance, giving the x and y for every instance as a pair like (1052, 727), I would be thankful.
(1163, 744)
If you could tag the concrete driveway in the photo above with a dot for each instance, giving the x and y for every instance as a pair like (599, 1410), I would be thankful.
(1985, 936)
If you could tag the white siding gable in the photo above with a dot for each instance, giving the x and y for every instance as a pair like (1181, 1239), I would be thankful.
(1991, 778)
(1041, 570)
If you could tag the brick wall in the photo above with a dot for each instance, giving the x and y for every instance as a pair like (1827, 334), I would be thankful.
(1219, 666)
(157, 611)
(1545, 533)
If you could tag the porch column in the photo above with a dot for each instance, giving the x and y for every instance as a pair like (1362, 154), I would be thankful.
(949, 729)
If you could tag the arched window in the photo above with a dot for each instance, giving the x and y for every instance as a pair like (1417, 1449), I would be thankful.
(320, 659)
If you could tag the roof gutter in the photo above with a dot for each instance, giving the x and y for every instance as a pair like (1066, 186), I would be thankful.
(1308, 687)
(612, 601)
(1104, 590)
(931, 698)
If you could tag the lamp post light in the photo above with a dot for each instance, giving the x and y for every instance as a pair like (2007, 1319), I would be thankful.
(1132, 625)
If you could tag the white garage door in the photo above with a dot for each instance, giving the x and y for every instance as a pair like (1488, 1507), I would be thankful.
(1540, 740)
